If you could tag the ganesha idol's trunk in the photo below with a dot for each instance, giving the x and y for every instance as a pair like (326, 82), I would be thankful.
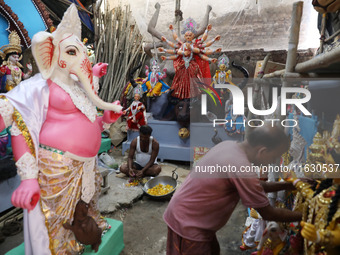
(97, 101)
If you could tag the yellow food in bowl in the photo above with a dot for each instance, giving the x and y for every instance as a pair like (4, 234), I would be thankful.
(160, 190)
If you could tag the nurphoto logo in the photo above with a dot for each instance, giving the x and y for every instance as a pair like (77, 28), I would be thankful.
(238, 107)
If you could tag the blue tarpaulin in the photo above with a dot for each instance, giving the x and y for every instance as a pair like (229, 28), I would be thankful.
(27, 13)
(84, 17)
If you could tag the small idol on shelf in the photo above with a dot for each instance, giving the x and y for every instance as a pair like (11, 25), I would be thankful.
(10, 70)
(254, 230)
(136, 112)
(222, 75)
(190, 59)
(153, 84)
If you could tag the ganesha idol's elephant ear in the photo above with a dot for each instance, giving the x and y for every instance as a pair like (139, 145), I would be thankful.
(42, 44)
(62, 57)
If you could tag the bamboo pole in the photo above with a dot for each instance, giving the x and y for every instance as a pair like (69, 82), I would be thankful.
(256, 93)
(312, 75)
(278, 73)
(178, 18)
(322, 61)
(120, 45)
(294, 36)
(332, 36)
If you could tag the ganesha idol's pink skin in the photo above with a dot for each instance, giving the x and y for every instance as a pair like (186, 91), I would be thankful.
(100, 69)
(67, 128)
(27, 194)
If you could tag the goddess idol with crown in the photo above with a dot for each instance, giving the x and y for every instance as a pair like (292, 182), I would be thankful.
(136, 111)
(190, 59)
(222, 74)
(153, 84)
(10, 70)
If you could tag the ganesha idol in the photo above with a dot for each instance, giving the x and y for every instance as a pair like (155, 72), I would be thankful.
(56, 135)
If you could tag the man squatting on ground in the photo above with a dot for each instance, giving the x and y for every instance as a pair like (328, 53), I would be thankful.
(204, 202)
(146, 148)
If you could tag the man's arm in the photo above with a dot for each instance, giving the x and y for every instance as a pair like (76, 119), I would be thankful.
(276, 186)
(132, 151)
(278, 214)
(253, 195)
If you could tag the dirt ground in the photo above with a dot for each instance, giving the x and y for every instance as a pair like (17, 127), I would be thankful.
(145, 231)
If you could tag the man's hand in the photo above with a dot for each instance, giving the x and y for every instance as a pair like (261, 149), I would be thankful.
(140, 174)
(27, 194)
(132, 172)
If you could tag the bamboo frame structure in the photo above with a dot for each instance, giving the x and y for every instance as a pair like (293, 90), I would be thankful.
(121, 46)
(290, 67)
(309, 67)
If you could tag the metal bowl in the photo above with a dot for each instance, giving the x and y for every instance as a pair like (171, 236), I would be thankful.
(165, 180)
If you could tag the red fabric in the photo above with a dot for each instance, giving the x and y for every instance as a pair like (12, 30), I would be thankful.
(7, 71)
(183, 84)
(177, 245)
(3, 70)
(204, 65)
